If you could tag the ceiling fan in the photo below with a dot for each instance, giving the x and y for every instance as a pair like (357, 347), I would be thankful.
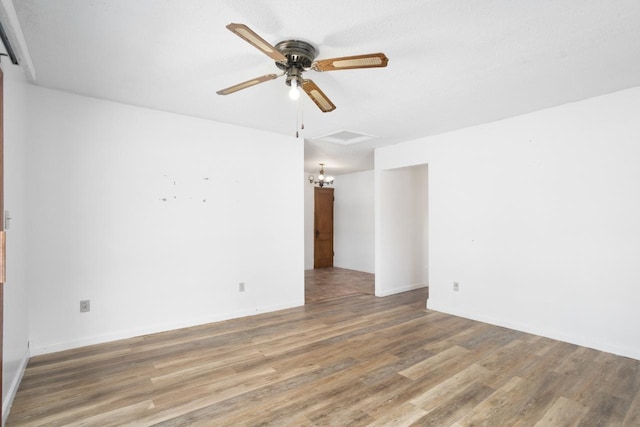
(294, 57)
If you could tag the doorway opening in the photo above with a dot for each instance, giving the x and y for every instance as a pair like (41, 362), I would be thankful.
(402, 228)
(348, 210)
(323, 200)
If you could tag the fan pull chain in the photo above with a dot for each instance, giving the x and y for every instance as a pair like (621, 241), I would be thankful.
(299, 116)
(302, 112)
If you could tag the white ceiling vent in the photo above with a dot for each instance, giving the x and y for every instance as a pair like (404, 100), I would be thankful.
(345, 137)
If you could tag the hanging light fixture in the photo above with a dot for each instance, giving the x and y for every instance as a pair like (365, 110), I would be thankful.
(322, 178)
(294, 93)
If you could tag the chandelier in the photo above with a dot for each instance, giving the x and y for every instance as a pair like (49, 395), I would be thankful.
(322, 178)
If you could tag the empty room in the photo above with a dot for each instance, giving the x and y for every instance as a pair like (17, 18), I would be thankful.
(365, 213)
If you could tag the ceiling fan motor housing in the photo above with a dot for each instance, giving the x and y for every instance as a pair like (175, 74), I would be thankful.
(300, 55)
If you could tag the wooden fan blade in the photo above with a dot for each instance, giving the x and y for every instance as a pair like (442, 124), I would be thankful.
(370, 60)
(318, 96)
(247, 84)
(251, 37)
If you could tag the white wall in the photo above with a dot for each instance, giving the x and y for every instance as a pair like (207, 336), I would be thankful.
(401, 233)
(354, 213)
(537, 218)
(16, 320)
(101, 229)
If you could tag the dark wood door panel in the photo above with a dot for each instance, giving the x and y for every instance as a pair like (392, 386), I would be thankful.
(323, 228)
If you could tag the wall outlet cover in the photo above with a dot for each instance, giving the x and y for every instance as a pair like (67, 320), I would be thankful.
(85, 306)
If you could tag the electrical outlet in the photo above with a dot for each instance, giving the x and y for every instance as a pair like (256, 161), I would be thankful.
(241, 287)
(85, 306)
(456, 286)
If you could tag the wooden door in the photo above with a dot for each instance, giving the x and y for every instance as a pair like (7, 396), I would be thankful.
(2, 240)
(323, 228)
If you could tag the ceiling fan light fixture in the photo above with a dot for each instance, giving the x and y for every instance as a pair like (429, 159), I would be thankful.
(321, 100)
(370, 60)
(294, 57)
(294, 92)
(251, 37)
(364, 62)
(247, 84)
(255, 40)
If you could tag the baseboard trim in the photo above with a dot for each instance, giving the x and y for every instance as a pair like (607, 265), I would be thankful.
(532, 329)
(394, 291)
(37, 350)
(13, 388)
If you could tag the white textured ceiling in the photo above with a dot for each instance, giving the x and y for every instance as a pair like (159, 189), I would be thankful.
(452, 63)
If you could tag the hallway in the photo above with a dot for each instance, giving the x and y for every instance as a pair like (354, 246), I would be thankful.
(333, 282)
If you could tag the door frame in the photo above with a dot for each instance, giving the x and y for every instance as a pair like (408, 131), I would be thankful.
(3, 267)
(316, 192)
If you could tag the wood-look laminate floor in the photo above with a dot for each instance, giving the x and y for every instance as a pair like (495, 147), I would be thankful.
(355, 360)
(332, 282)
